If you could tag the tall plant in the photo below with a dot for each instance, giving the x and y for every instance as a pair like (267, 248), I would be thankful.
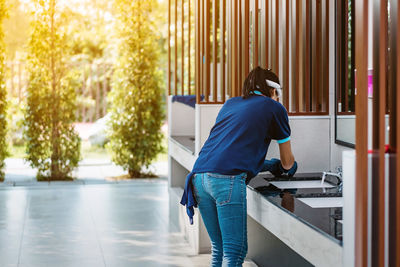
(136, 113)
(3, 94)
(53, 147)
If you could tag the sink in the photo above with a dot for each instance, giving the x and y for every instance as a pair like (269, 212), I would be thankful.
(305, 197)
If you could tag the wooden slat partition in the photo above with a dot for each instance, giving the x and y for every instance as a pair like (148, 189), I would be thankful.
(240, 41)
(327, 47)
(219, 53)
(183, 47)
(395, 238)
(215, 51)
(297, 55)
(318, 57)
(189, 52)
(394, 136)
(197, 52)
(287, 56)
(307, 68)
(267, 33)
(235, 63)
(277, 31)
(255, 34)
(246, 45)
(207, 49)
(223, 47)
(176, 48)
(361, 197)
(378, 137)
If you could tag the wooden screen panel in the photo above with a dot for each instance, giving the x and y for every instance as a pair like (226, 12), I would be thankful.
(176, 47)
(286, 84)
(298, 55)
(182, 47)
(396, 237)
(189, 37)
(207, 25)
(222, 46)
(380, 31)
(246, 39)
(276, 36)
(197, 51)
(201, 59)
(361, 197)
(307, 69)
(318, 57)
(267, 33)
(396, 242)
(327, 56)
(215, 49)
(255, 39)
(238, 40)
(240, 46)
(235, 62)
(394, 136)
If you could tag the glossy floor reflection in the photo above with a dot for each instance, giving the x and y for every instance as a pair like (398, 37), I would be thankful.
(90, 225)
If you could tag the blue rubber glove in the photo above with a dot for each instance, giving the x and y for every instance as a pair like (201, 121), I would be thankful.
(291, 171)
(273, 166)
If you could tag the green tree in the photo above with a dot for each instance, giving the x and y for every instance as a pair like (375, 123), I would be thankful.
(53, 147)
(136, 113)
(3, 94)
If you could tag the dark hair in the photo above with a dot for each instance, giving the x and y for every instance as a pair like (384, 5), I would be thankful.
(256, 80)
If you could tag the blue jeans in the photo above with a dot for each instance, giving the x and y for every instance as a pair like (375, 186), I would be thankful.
(222, 203)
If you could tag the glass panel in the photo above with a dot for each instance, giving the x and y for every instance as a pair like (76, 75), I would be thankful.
(345, 92)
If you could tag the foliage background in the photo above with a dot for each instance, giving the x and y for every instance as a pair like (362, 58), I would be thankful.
(53, 147)
(137, 108)
(3, 95)
(92, 31)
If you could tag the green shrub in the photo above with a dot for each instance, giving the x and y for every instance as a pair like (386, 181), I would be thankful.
(53, 147)
(3, 95)
(15, 122)
(136, 113)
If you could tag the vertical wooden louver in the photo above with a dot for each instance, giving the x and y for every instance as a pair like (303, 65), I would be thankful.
(361, 198)
(394, 135)
(227, 44)
(380, 46)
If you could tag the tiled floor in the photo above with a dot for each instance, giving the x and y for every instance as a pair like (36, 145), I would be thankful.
(124, 224)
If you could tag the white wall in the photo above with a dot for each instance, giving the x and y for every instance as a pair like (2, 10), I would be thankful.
(181, 119)
(205, 120)
(310, 140)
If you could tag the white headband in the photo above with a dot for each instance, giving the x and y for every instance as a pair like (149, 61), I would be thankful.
(273, 84)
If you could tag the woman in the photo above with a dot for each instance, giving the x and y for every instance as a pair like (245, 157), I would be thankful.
(233, 154)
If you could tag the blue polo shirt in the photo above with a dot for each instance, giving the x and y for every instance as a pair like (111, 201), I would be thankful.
(239, 141)
(240, 138)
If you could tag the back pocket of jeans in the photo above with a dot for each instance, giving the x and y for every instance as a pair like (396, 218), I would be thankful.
(220, 187)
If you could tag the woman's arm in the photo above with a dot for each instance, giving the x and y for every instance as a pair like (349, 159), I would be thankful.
(287, 158)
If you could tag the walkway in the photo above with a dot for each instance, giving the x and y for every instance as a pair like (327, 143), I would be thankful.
(17, 170)
(90, 224)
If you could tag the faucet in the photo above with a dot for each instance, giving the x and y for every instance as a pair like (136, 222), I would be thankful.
(338, 175)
